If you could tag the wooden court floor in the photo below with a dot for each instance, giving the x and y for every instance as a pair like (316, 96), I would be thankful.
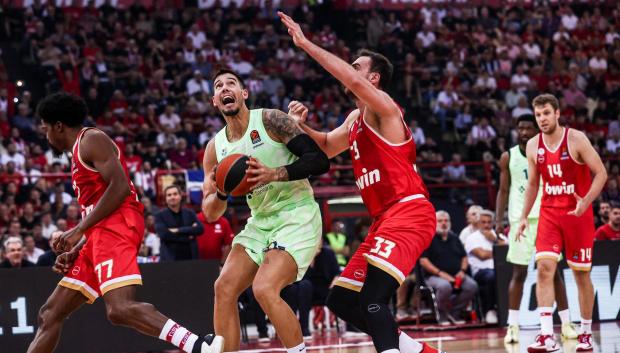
(606, 339)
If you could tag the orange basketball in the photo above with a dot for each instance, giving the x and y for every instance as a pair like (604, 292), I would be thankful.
(230, 175)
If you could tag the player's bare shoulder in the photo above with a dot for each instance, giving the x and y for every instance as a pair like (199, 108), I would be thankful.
(353, 115)
(531, 149)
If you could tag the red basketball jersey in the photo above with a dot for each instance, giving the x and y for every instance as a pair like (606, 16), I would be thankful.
(89, 186)
(384, 172)
(561, 174)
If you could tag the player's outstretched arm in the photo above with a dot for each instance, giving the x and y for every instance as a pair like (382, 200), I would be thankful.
(533, 181)
(588, 155)
(98, 151)
(377, 100)
(333, 142)
(502, 195)
(284, 129)
(213, 201)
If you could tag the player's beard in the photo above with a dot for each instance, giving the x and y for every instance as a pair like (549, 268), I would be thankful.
(231, 112)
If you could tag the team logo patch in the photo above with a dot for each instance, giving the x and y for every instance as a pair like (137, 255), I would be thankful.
(75, 271)
(541, 151)
(373, 308)
(564, 154)
(541, 159)
(359, 274)
(575, 255)
(224, 151)
(255, 137)
(556, 248)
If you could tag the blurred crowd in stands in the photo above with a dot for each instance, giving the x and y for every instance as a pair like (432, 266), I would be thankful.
(463, 74)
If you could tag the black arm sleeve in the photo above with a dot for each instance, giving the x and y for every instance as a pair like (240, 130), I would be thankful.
(312, 160)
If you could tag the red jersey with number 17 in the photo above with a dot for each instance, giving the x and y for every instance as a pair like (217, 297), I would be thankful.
(562, 176)
(384, 172)
(89, 185)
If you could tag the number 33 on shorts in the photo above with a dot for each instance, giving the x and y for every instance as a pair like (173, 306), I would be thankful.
(383, 247)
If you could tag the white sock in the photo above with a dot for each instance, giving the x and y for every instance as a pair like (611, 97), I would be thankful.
(179, 336)
(300, 348)
(564, 316)
(408, 344)
(393, 350)
(546, 320)
(513, 317)
(586, 326)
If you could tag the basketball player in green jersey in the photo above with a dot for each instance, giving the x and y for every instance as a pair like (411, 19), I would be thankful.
(512, 183)
(283, 234)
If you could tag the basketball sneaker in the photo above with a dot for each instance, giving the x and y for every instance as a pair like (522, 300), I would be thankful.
(568, 331)
(213, 344)
(426, 348)
(512, 335)
(585, 343)
(543, 343)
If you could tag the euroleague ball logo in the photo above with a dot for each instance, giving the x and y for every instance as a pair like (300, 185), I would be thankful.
(359, 274)
(75, 270)
(255, 137)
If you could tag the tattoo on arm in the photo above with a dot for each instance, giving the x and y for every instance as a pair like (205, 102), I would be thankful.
(281, 125)
(282, 174)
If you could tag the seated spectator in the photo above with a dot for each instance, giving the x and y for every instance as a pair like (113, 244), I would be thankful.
(197, 84)
(14, 252)
(522, 108)
(471, 217)
(31, 252)
(177, 227)
(479, 248)
(604, 207)
(151, 240)
(610, 230)
(49, 257)
(445, 264)
(216, 239)
(337, 241)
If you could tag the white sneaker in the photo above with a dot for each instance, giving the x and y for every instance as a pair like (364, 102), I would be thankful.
(512, 335)
(491, 317)
(585, 343)
(543, 344)
(213, 344)
(569, 332)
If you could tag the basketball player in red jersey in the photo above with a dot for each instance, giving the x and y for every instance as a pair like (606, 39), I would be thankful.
(564, 158)
(99, 256)
(383, 155)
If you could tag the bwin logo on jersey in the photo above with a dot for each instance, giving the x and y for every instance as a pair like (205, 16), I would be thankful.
(368, 178)
(560, 189)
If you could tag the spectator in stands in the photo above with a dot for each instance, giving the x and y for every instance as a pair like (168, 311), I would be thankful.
(14, 249)
(151, 240)
(31, 252)
(610, 230)
(49, 257)
(471, 216)
(445, 264)
(12, 156)
(216, 239)
(522, 108)
(198, 84)
(479, 248)
(455, 173)
(321, 273)
(337, 241)
(177, 227)
(448, 105)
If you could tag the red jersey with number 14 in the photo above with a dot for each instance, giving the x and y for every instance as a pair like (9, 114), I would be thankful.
(89, 185)
(384, 172)
(562, 176)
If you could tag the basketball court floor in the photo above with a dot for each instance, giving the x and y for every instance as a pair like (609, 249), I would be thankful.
(606, 338)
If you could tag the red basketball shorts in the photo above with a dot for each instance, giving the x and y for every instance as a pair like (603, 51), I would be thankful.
(108, 260)
(559, 231)
(394, 243)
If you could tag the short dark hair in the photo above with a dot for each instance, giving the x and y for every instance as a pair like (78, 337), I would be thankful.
(543, 99)
(380, 64)
(221, 72)
(173, 186)
(527, 117)
(63, 107)
(614, 204)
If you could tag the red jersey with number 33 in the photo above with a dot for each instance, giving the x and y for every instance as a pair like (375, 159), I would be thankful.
(561, 175)
(384, 172)
(89, 185)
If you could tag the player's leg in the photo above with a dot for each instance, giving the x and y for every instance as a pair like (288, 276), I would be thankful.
(568, 329)
(278, 270)
(52, 315)
(236, 276)
(519, 255)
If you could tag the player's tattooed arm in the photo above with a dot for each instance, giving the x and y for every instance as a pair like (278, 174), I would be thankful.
(280, 126)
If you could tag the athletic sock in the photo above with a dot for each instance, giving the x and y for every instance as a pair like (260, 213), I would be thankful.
(181, 337)
(586, 326)
(546, 320)
(564, 316)
(408, 344)
(513, 317)
(300, 348)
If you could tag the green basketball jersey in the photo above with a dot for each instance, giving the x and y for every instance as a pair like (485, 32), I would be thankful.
(277, 195)
(517, 165)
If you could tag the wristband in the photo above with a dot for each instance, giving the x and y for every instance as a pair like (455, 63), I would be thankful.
(221, 196)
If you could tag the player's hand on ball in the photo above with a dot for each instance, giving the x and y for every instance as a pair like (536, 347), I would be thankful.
(65, 261)
(523, 225)
(259, 174)
(294, 30)
(297, 111)
(580, 208)
(67, 240)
